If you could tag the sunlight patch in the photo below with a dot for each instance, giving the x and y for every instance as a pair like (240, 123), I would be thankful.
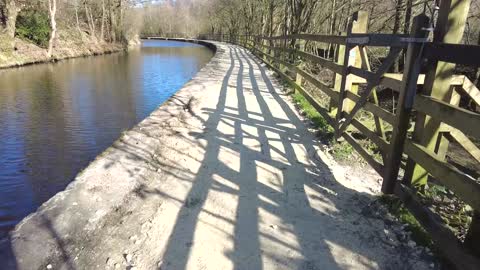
(277, 150)
(348, 259)
(270, 177)
(319, 199)
(230, 158)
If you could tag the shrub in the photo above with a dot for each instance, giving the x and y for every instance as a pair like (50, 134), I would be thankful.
(34, 26)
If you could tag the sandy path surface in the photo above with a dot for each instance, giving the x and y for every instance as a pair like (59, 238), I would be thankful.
(225, 175)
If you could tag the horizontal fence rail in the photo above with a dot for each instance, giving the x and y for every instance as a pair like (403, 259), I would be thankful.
(417, 145)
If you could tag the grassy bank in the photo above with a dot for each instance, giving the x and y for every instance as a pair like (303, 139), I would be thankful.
(69, 44)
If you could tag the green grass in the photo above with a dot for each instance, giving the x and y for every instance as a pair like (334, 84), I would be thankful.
(312, 114)
(397, 209)
(340, 150)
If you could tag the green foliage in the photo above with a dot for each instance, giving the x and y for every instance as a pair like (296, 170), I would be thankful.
(34, 26)
(454, 212)
(342, 151)
(312, 114)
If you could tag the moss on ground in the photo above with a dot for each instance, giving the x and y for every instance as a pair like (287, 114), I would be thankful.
(396, 208)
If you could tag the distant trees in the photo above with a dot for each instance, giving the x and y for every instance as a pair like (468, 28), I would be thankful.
(120, 20)
(99, 20)
(275, 17)
(52, 8)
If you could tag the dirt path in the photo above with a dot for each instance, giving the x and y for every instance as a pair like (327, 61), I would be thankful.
(229, 179)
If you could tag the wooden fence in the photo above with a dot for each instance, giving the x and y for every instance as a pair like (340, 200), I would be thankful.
(432, 97)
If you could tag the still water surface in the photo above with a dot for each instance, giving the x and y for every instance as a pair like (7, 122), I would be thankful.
(56, 118)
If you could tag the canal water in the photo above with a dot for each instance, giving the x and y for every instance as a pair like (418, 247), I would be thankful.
(56, 118)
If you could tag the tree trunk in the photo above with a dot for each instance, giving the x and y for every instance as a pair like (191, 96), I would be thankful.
(7, 35)
(396, 29)
(408, 16)
(52, 8)
(477, 76)
(90, 21)
(331, 30)
(102, 29)
(76, 17)
(113, 23)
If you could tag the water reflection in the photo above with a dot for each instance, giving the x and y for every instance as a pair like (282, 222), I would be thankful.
(55, 118)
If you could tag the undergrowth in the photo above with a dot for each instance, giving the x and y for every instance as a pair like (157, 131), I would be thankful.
(34, 26)
(341, 150)
(396, 208)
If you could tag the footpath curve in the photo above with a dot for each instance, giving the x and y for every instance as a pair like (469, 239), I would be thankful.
(225, 175)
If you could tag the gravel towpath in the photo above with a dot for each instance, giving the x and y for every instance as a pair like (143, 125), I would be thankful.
(225, 175)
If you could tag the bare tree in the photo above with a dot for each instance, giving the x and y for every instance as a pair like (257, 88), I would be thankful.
(52, 9)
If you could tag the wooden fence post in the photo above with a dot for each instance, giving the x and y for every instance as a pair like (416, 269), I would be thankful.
(339, 58)
(449, 29)
(301, 47)
(405, 104)
(351, 57)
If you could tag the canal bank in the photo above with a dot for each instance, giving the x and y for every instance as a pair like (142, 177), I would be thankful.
(225, 175)
(55, 118)
(26, 53)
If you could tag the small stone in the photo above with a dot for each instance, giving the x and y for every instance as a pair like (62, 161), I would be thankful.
(117, 266)
(159, 170)
(109, 261)
(432, 265)
(49, 266)
(128, 258)
(411, 244)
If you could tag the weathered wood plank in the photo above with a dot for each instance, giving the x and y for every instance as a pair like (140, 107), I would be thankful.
(376, 110)
(465, 142)
(449, 28)
(362, 73)
(379, 127)
(394, 80)
(323, 87)
(370, 39)
(379, 141)
(358, 24)
(404, 105)
(471, 90)
(453, 53)
(462, 184)
(443, 237)
(312, 37)
(371, 83)
(464, 120)
(311, 57)
(370, 160)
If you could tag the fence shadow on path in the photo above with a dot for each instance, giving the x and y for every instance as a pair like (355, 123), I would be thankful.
(266, 132)
(260, 175)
